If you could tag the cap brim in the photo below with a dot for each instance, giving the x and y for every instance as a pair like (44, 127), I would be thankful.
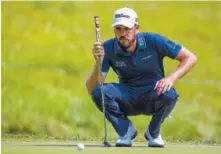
(124, 23)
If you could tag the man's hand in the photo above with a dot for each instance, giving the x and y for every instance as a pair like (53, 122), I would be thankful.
(187, 60)
(98, 51)
(163, 85)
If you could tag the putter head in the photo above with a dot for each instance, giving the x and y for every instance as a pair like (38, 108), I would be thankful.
(106, 144)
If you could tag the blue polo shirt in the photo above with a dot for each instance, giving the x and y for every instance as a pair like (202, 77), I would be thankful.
(143, 67)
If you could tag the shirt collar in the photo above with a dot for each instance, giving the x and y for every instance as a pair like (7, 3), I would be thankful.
(141, 44)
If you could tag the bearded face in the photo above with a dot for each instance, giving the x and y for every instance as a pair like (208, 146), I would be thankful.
(125, 36)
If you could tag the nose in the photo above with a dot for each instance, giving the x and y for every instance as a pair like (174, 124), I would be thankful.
(123, 33)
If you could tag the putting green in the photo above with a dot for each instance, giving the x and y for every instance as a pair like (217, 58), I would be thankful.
(94, 148)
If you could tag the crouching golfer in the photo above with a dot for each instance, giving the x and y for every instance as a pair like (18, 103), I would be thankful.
(143, 88)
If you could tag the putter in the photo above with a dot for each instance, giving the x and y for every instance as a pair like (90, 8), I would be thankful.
(97, 30)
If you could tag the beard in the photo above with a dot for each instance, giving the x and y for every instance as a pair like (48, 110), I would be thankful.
(126, 43)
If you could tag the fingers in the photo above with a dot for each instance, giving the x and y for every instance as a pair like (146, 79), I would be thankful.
(169, 87)
(98, 43)
(156, 85)
(98, 50)
(162, 86)
(165, 88)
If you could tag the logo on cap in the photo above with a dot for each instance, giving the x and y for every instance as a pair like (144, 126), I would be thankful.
(121, 15)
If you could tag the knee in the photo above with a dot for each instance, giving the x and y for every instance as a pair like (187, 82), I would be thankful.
(168, 101)
(170, 97)
(96, 95)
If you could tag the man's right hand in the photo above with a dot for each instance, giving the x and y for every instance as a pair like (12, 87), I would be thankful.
(98, 51)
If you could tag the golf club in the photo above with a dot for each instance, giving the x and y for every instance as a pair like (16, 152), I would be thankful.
(97, 30)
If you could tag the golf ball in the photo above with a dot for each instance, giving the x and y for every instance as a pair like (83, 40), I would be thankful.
(80, 146)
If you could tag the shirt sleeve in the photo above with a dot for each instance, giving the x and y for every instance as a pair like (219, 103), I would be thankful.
(105, 64)
(166, 47)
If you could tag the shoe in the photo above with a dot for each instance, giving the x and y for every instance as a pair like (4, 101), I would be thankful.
(154, 142)
(126, 140)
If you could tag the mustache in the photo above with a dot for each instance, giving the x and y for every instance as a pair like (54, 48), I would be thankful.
(122, 37)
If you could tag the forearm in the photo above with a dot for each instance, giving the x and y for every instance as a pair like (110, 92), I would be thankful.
(93, 79)
(183, 68)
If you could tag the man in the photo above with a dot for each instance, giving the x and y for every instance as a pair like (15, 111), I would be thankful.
(137, 59)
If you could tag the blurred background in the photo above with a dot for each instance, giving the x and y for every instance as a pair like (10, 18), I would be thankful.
(46, 59)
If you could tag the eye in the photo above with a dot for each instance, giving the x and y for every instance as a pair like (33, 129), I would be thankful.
(127, 29)
(118, 28)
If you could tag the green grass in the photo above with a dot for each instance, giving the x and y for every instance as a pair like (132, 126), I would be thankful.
(94, 148)
(40, 100)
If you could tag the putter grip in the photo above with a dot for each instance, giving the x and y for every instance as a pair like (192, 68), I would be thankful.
(97, 28)
(97, 31)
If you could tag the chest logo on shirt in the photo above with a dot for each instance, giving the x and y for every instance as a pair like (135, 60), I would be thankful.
(120, 64)
(144, 58)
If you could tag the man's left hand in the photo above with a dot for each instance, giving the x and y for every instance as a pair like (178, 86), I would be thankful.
(163, 85)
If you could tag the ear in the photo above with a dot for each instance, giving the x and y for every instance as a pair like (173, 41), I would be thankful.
(137, 28)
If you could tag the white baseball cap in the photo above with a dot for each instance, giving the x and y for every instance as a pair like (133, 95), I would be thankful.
(126, 17)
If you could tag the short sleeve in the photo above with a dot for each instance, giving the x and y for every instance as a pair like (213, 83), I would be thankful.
(166, 47)
(105, 64)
